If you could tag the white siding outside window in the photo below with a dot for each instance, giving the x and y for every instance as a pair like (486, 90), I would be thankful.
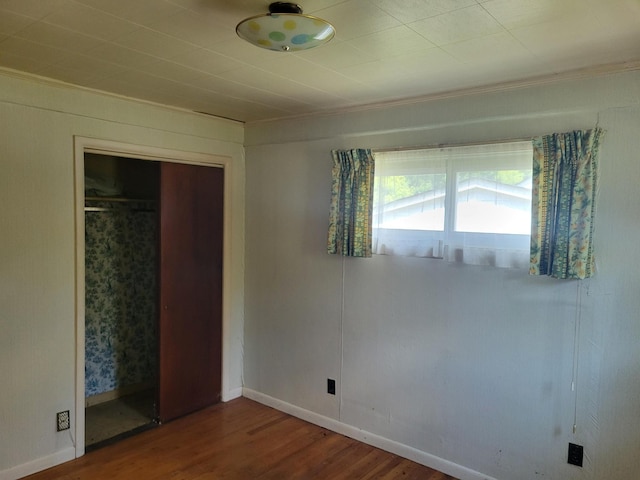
(468, 204)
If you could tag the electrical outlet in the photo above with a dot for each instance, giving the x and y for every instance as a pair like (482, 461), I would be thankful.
(331, 386)
(576, 452)
(63, 421)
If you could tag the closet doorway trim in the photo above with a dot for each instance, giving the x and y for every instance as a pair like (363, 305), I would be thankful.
(84, 145)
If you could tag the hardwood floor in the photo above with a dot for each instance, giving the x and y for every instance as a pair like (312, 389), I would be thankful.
(240, 439)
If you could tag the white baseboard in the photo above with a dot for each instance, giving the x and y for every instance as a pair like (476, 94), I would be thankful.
(232, 394)
(38, 465)
(418, 456)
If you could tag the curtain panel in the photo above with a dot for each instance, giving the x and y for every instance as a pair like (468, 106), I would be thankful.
(350, 214)
(565, 177)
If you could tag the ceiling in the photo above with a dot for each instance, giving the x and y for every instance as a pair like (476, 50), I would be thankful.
(185, 53)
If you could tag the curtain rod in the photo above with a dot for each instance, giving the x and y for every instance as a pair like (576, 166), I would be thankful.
(451, 145)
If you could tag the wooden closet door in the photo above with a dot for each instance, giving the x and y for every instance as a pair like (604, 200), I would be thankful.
(190, 326)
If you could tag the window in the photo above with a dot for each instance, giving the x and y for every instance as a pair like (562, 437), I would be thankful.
(469, 204)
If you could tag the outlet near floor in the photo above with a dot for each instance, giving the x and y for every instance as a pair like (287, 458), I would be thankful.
(576, 452)
(63, 421)
(331, 386)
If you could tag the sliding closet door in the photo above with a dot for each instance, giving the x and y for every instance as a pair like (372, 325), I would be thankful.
(190, 329)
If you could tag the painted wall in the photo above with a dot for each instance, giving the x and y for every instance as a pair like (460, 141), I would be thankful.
(38, 122)
(470, 365)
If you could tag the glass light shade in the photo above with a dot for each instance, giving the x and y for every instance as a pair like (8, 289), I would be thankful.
(284, 32)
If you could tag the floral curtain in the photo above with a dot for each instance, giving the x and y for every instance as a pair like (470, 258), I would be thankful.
(351, 203)
(565, 174)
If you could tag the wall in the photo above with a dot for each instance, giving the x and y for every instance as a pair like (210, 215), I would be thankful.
(38, 122)
(466, 368)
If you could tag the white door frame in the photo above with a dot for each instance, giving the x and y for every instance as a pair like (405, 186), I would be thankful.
(84, 145)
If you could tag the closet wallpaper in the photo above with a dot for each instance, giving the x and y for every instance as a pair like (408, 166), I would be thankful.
(121, 296)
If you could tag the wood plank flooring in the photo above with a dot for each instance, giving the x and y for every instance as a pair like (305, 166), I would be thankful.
(239, 440)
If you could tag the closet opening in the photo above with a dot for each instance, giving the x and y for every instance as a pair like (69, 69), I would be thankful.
(121, 297)
(153, 237)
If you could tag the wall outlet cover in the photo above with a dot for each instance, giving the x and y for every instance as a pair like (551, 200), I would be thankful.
(575, 455)
(63, 421)
(331, 386)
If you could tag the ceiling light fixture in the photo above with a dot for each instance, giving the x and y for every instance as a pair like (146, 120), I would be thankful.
(285, 29)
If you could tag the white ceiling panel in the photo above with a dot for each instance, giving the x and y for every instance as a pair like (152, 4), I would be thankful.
(208, 61)
(356, 18)
(192, 27)
(67, 74)
(128, 87)
(185, 53)
(38, 53)
(93, 64)
(173, 71)
(336, 55)
(555, 41)
(155, 43)
(505, 48)
(34, 9)
(233, 91)
(242, 51)
(24, 64)
(278, 84)
(521, 13)
(59, 37)
(11, 22)
(121, 56)
(408, 11)
(391, 43)
(141, 12)
(89, 21)
(464, 24)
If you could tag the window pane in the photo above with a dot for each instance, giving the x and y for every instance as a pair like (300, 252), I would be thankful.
(493, 201)
(466, 204)
(410, 202)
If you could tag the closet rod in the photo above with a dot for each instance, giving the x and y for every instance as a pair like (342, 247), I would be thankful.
(105, 209)
(118, 199)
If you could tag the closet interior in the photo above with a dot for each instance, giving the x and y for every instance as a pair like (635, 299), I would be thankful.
(121, 296)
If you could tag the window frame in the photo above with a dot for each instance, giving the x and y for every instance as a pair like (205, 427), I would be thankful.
(457, 159)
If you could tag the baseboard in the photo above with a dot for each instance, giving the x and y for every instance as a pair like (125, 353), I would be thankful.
(38, 465)
(418, 456)
(232, 394)
(405, 451)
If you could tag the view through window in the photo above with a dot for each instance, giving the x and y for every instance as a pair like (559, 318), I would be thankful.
(469, 204)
